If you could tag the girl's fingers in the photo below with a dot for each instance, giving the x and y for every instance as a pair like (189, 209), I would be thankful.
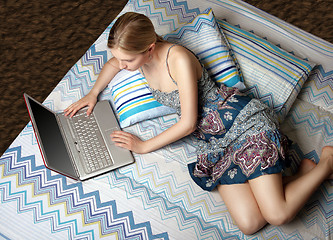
(74, 108)
(90, 109)
(128, 141)
(118, 136)
(121, 137)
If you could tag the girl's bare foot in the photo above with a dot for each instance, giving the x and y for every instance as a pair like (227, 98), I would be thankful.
(327, 157)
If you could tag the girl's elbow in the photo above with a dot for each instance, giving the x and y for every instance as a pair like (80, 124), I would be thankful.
(193, 128)
(190, 128)
(189, 125)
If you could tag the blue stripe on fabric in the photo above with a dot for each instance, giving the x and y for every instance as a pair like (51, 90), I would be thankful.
(131, 100)
(209, 49)
(223, 71)
(278, 52)
(214, 54)
(126, 93)
(4, 237)
(297, 62)
(232, 81)
(139, 108)
(124, 82)
(278, 70)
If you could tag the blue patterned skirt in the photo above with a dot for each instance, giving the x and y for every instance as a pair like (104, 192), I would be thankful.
(237, 139)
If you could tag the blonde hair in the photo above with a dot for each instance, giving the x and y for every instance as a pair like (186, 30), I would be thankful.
(133, 32)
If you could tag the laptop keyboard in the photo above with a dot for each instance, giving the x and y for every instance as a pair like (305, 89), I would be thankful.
(95, 153)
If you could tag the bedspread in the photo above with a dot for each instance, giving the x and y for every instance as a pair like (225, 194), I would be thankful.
(155, 198)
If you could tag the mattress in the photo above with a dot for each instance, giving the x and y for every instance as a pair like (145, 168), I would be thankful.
(155, 198)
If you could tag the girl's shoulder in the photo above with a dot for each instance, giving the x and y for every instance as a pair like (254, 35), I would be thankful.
(178, 54)
(178, 51)
(180, 57)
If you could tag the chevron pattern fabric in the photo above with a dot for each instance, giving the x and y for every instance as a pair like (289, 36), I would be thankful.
(155, 198)
(319, 89)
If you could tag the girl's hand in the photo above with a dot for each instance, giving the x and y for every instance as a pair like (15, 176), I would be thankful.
(128, 141)
(89, 100)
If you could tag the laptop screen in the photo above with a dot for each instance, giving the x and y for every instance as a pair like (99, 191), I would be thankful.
(51, 140)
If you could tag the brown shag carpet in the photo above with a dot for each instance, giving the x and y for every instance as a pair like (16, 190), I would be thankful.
(41, 39)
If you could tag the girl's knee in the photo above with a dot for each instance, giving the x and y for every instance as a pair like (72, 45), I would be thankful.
(278, 218)
(249, 226)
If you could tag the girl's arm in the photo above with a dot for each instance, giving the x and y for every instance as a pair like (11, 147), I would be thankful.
(109, 70)
(186, 70)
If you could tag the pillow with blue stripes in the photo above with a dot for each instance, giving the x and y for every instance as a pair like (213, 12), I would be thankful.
(132, 99)
(131, 96)
(205, 39)
(270, 73)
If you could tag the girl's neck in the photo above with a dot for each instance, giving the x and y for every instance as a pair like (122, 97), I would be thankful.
(155, 59)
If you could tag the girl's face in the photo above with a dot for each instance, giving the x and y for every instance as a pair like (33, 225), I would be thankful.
(128, 61)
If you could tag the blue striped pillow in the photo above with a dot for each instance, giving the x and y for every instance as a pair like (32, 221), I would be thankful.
(204, 38)
(132, 99)
(270, 74)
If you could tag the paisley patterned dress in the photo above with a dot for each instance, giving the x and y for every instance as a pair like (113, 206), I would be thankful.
(237, 137)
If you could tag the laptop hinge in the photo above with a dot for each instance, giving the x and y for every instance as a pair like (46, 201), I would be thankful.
(65, 137)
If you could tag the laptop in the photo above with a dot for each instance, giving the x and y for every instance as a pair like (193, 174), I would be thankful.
(79, 147)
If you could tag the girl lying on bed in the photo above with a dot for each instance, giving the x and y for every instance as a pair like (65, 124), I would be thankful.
(240, 150)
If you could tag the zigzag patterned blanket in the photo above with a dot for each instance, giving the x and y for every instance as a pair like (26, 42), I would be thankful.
(155, 198)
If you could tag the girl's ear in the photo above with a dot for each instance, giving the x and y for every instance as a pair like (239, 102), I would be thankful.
(151, 47)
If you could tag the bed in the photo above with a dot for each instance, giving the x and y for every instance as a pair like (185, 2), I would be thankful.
(154, 198)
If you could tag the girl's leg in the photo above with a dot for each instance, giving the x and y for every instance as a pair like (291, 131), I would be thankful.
(280, 203)
(242, 207)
